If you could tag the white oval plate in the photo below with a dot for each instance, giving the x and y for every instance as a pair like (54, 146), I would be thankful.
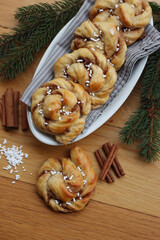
(107, 113)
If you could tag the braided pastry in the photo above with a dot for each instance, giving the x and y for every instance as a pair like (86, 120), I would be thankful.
(89, 69)
(132, 15)
(102, 37)
(67, 184)
(60, 108)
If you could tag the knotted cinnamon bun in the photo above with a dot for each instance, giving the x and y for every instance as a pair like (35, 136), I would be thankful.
(132, 15)
(91, 70)
(67, 184)
(102, 37)
(60, 108)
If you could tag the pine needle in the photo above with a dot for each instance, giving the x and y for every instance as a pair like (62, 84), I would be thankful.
(37, 25)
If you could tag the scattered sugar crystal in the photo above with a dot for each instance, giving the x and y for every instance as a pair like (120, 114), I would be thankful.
(7, 168)
(30, 173)
(53, 172)
(95, 35)
(17, 177)
(68, 203)
(65, 177)
(84, 182)
(4, 141)
(92, 94)
(79, 60)
(49, 91)
(70, 178)
(14, 157)
(94, 40)
(112, 32)
(13, 182)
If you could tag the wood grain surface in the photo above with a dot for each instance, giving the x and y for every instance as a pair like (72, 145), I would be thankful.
(126, 209)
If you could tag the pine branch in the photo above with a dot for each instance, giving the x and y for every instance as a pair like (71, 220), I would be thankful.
(36, 11)
(155, 8)
(38, 25)
(144, 125)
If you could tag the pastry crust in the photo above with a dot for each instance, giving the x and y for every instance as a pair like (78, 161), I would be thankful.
(91, 70)
(133, 16)
(67, 184)
(102, 37)
(60, 108)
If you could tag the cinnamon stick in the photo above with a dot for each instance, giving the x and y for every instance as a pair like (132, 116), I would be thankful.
(117, 163)
(100, 159)
(24, 121)
(108, 162)
(106, 148)
(9, 107)
(16, 108)
(3, 112)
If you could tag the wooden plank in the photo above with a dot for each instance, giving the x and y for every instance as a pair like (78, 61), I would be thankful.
(139, 185)
(25, 216)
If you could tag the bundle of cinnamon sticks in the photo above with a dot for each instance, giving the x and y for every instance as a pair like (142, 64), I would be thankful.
(9, 110)
(111, 162)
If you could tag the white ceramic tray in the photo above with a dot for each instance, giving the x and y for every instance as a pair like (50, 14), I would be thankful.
(107, 113)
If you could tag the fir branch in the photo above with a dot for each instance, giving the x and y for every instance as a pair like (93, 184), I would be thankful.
(38, 11)
(155, 8)
(38, 25)
(156, 14)
(144, 125)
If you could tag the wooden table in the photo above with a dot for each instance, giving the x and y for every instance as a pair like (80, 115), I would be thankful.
(126, 209)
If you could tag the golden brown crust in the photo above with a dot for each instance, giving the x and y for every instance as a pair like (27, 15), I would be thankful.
(91, 70)
(102, 37)
(133, 16)
(60, 108)
(67, 184)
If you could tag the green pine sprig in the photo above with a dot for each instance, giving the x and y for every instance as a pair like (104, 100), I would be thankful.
(37, 25)
(144, 125)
